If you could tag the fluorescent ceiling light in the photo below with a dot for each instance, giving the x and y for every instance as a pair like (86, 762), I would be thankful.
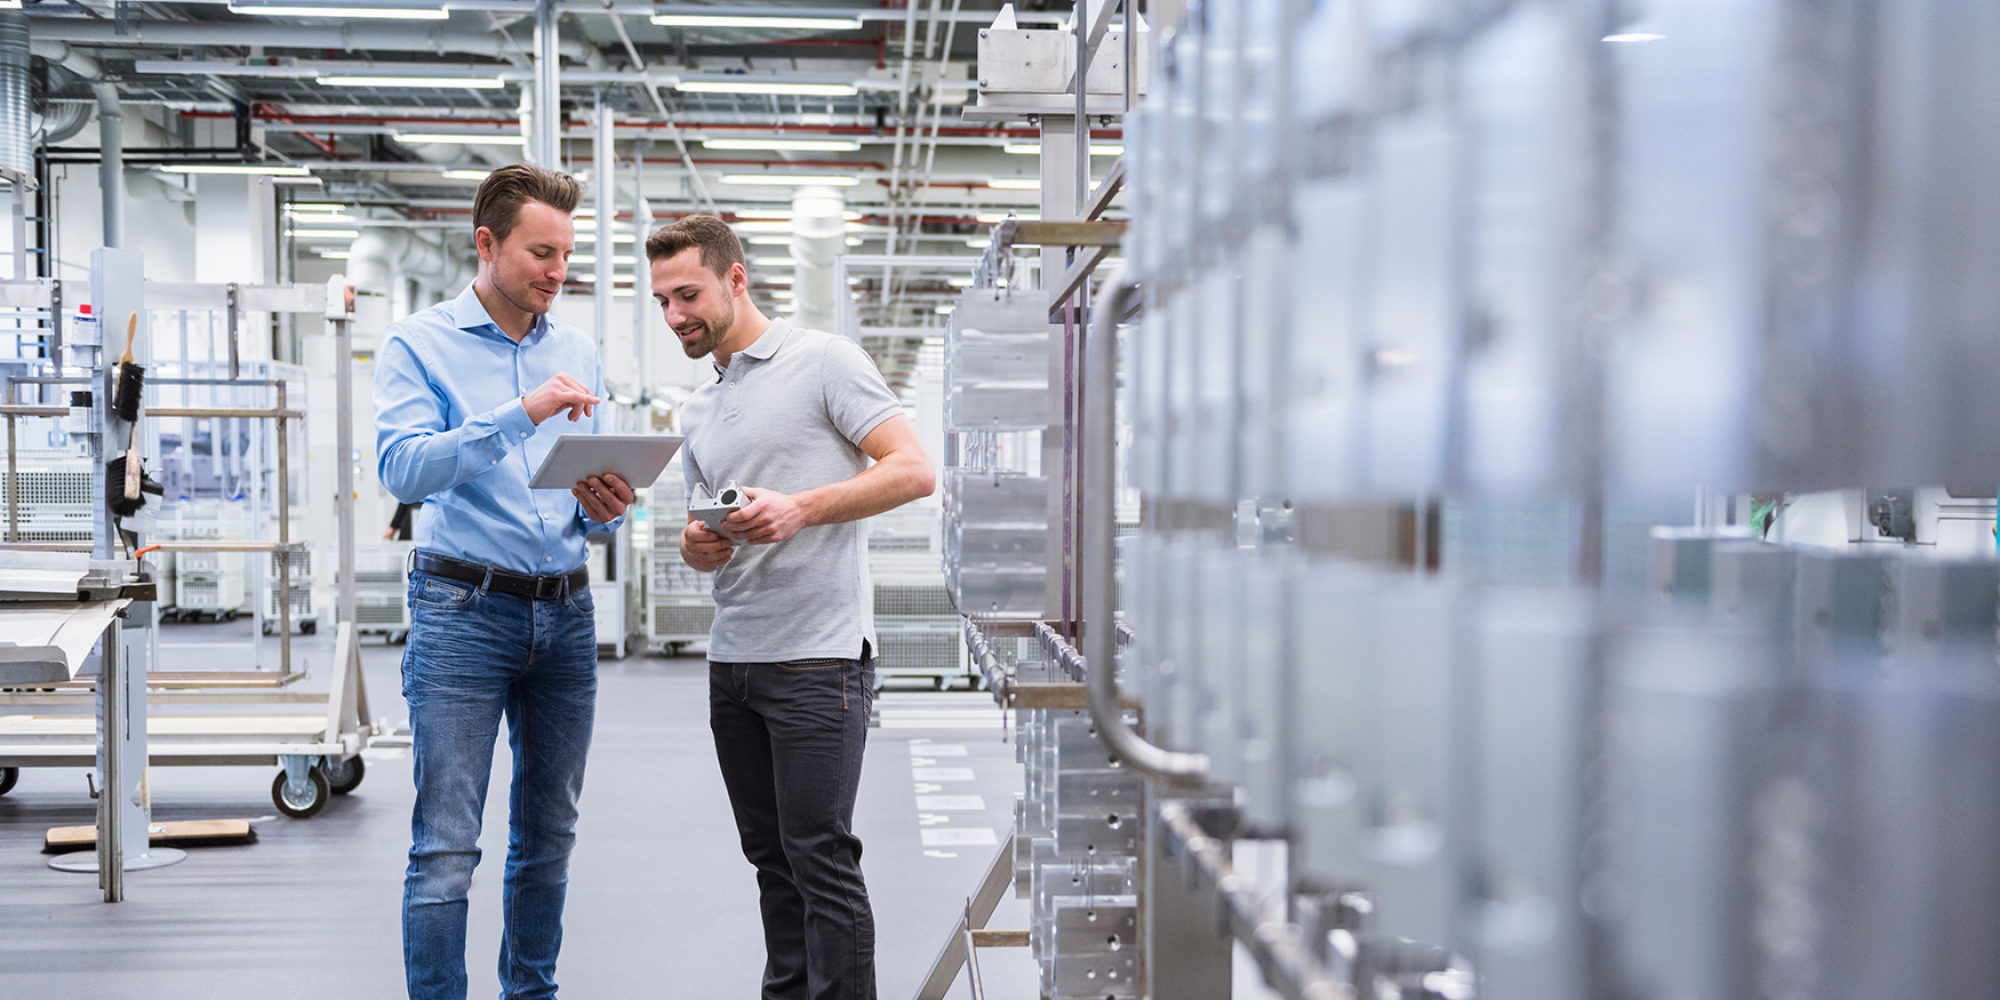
(1015, 183)
(979, 244)
(959, 282)
(1634, 36)
(791, 180)
(585, 212)
(253, 169)
(298, 10)
(770, 241)
(317, 206)
(1035, 148)
(763, 213)
(327, 234)
(622, 293)
(944, 310)
(776, 279)
(312, 218)
(299, 181)
(800, 145)
(584, 276)
(591, 258)
(487, 139)
(467, 175)
(10, 4)
(415, 82)
(992, 217)
(854, 241)
(764, 87)
(740, 21)
(336, 254)
(763, 226)
(774, 262)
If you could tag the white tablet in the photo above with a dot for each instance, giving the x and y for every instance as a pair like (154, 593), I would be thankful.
(635, 458)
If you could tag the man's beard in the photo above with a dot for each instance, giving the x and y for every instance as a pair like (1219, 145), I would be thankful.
(711, 337)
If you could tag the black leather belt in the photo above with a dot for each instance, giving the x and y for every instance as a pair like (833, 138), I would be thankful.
(537, 588)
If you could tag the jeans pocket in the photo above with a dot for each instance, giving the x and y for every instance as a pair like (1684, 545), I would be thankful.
(807, 665)
(433, 594)
(580, 602)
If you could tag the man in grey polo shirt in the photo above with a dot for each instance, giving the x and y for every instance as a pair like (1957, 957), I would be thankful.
(793, 417)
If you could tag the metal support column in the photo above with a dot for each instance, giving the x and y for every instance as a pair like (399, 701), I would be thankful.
(1059, 196)
(603, 175)
(547, 148)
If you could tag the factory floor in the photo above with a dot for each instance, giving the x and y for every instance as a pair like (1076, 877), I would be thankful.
(661, 903)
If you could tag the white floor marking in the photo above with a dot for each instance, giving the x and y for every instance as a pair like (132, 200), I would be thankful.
(946, 803)
(960, 837)
(942, 774)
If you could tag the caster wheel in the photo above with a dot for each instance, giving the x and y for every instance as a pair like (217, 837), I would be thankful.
(267, 628)
(307, 806)
(942, 683)
(8, 776)
(344, 776)
(229, 616)
(309, 627)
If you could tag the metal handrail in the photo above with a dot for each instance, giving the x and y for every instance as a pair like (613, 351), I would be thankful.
(1099, 553)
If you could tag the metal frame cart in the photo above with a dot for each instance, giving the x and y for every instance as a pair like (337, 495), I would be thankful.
(318, 751)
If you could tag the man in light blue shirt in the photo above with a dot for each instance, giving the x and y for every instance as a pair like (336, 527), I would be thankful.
(501, 620)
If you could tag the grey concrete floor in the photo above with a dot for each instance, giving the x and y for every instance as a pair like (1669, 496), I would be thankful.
(661, 902)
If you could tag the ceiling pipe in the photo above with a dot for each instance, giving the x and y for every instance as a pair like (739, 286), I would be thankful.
(111, 165)
(819, 236)
(347, 37)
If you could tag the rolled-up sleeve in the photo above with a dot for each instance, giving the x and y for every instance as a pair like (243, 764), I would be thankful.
(418, 452)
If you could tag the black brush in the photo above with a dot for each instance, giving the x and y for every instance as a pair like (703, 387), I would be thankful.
(131, 377)
(126, 482)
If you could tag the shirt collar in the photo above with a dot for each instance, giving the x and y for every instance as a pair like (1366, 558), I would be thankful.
(468, 313)
(766, 345)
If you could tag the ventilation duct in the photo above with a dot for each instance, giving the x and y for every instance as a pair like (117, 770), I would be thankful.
(819, 234)
(16, 99)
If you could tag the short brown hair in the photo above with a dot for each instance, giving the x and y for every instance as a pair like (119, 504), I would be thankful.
(497, 206)
(718, 243)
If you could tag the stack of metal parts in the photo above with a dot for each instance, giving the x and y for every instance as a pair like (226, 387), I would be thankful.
(1076, 850)
(996, 405)
(1442, 308)
(916, 626)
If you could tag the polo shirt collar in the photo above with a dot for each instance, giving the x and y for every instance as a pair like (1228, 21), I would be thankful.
(765, 346)
(468, 313)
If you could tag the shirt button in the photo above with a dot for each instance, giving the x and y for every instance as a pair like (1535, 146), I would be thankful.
(524, 433)
(496, 461)
(548, 559)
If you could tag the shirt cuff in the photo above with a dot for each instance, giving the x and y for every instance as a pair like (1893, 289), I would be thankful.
(512, 420)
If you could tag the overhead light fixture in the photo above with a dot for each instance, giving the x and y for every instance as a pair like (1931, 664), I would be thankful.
(780, 88)
(299, 10)
(979, 244)
(315, 218)
(622, 293)
(764, 226)
(415, 82)
(1015, 184)
(591, 258)
(854, 241)
(944, 310)
(770, 241)
(748, 21)
(763, 213)
(782, 145)
(466, 175)
(317, 206)
(959, 282)
(1034, 148)
(485, 139)
(990, 218)
(251, 169)
(336, 254)
(1634, 36)
(299, 181)
(774, 262)
(777, 279)
(327, 234)
(791, 180)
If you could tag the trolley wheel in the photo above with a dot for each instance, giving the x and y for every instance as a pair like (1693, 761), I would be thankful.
(230, 615)
(344, 776)
(8, 776)
(317, 794)
(942, 683)
(308, 627)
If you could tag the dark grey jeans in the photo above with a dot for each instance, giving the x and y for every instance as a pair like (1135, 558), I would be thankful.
(789, 737)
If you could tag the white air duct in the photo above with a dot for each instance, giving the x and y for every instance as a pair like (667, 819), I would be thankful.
(383, 257)
(819, 234)
(16, 113)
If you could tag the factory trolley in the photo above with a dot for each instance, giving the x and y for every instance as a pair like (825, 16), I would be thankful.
(680, 602)
(53, 723)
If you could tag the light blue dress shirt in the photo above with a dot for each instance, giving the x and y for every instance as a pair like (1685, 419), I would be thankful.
(450, 431)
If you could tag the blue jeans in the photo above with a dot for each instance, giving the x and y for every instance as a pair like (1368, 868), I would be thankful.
(474, 655)
(789, 737)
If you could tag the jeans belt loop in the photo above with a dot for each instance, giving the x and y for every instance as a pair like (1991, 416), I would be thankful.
(487, 583)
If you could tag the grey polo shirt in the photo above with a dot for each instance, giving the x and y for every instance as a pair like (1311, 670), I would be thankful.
(788, 414)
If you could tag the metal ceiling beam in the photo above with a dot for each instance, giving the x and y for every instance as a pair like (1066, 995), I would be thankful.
(345, 37)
